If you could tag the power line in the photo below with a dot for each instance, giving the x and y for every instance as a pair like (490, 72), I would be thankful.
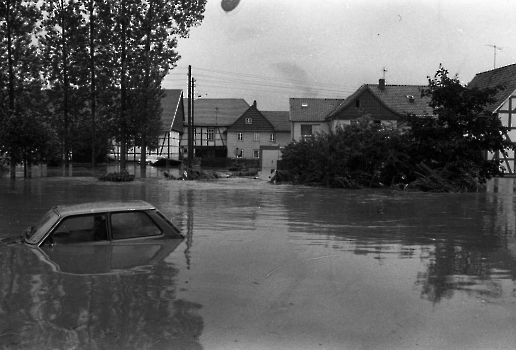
(221, 79)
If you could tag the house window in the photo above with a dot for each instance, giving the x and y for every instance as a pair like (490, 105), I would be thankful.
(256, 153)
(211, 134)
(240, 136)
(357, 103)
(306, 130)
(248, 120)
(272, 137)
(256, 136)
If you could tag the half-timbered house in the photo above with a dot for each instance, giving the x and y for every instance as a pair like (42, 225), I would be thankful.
(211, 119)
(504, 106)
(172, 117)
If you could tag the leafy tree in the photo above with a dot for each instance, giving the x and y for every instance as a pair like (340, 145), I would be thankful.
(455, 140)
(27, 135)
(19, 72)
(63, 45)
(144, 40)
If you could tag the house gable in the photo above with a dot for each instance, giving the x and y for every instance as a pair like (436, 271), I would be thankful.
(383, 102)
(251, 121)
(365, 103)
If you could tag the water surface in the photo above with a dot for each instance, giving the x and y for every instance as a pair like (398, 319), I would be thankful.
(273, 267)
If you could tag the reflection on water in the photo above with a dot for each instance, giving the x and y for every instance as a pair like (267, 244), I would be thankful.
(78, 170)
(41, 309)
(279, 266)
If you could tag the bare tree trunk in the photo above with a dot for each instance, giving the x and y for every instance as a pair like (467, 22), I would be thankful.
(92, 88)
(123, 136)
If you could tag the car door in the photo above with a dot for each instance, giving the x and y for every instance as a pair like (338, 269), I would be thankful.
(135, 240)
(79, 244)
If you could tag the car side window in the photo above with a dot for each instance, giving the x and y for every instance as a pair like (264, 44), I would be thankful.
(133, 224)
(80, 229)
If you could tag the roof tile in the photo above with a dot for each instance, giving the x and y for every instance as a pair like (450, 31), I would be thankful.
(311, 109)
(400, 99)
(505, 76)
(172, 113)
(218, 111)
(279, 119)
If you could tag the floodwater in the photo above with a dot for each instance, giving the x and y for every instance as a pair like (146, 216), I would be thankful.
(272, 267)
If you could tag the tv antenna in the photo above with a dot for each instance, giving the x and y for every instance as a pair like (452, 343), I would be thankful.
(495, 48)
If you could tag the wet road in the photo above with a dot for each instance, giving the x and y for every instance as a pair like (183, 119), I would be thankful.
(273, 267)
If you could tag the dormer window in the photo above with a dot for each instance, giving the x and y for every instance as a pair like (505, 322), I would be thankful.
(410, 98)
(248, 120)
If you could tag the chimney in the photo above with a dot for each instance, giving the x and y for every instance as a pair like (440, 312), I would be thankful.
(254, 104)
(381, 84)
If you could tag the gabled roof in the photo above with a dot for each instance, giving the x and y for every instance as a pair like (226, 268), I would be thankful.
(505, 76)
(311, 109)
(258, 121)
(399, 99)
(173, 113)
(218, 111)
(279, 119)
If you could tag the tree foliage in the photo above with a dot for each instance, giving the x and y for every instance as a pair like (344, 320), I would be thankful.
(90, 57)
(457, 138)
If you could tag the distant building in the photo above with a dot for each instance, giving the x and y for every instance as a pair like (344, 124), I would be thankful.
(254, 130)
(211, 119)
(308, 115)
(272, 153)
(172, 116)
(504, 106)
(384, 104)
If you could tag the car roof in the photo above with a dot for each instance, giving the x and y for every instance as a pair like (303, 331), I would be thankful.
(101, 207)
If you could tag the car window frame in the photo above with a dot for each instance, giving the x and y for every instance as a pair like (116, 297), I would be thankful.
(145, 212)
(52, 231)
(35, 237)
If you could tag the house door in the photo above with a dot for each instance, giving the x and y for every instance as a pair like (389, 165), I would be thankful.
(270, 160)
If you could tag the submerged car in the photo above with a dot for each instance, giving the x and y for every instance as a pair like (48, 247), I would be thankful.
(100, 237)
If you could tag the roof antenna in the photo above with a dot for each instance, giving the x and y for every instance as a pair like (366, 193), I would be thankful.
(495, 48)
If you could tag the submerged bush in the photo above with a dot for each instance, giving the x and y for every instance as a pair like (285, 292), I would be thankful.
(362, 154)
(122, 176)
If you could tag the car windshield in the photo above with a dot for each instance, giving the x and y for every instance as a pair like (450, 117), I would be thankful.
(37, 231)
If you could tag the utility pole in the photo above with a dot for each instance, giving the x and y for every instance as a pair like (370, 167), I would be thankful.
(194, 136)
(190, 124)
(495, 48)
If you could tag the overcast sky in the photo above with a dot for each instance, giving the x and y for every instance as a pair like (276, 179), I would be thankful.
(271, 50)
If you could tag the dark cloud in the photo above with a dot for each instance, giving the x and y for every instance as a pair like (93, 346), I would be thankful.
(297, 77)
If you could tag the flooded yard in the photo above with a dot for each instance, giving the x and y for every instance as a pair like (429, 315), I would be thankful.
(271, 267)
